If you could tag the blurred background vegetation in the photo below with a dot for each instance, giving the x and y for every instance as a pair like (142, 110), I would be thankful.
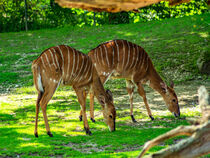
(47, 14)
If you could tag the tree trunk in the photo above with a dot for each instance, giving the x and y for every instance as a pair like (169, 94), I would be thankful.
(26, 16)
(198, 144)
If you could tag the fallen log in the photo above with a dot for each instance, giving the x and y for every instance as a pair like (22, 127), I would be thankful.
(196, 145)
(112, 5)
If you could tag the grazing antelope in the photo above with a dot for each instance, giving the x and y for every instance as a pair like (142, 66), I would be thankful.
(65, 65)
(123, 59)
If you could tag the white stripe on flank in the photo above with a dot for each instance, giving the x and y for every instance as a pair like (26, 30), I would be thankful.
(62, 60)
(101, 55)
(43, 62)
(89, 64)
(90, 73)
(117, 53)
(73, 64)
(75, 72)
(147, 62)
(95, 53)
(106, 55)
(128, 54)
(84, 71)
(47, 60)
(98, 58)
(113, 56)
(133, 55)
(143, 58)
(123, 54)
(56, 59)
(40, 87)
(136, 58)
(52, 58)
(80, 69)
(68, 63)
(140, 57)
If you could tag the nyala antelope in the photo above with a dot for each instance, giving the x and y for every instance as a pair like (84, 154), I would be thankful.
(65, 65)
(123, 59)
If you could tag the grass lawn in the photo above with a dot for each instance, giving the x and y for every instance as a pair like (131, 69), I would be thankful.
(174, 46)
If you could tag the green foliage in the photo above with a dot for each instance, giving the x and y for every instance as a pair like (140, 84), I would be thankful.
(162, 10)
(47, 14)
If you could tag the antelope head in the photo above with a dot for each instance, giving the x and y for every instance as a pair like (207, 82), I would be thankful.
(108, 109)
(170, 98)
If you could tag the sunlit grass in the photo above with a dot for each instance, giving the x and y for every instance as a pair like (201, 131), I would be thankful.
(18, 116)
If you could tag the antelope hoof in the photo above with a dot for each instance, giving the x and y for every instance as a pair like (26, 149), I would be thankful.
(152, 118)
(80, 118)
(88, 132)
(133, 119)
(36, 135)
(50, 134)
(93, 120)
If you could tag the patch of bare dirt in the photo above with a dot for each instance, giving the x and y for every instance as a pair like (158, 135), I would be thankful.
(87, 147)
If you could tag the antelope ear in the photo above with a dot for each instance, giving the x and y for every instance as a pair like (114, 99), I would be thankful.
(164, 87)
(109, 94)
(101, 99)
(172, 84)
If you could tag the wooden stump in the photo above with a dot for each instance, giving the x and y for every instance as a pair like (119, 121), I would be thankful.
(112, 5)
(196, 145)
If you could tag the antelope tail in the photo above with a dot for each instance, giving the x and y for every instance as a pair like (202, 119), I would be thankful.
(37, 78)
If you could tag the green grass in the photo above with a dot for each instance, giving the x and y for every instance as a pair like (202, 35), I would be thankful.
(17, 125)
(174, 46)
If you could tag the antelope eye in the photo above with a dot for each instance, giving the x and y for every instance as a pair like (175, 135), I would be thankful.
(110, 116)
(174, 100)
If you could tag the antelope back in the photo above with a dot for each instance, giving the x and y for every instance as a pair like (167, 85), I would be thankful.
(120, 56)
(65, 64)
